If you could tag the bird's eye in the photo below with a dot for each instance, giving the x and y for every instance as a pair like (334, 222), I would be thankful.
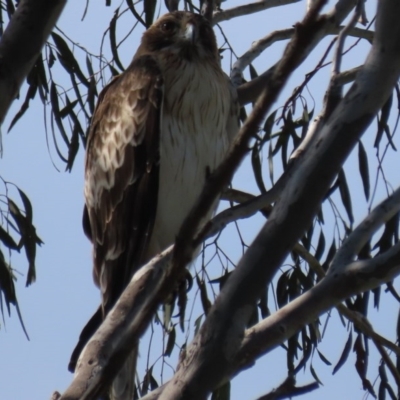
(168, 27)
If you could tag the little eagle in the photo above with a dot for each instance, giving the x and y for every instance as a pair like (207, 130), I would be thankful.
(158, 130)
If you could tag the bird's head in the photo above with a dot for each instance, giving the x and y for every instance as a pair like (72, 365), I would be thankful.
(181, 33)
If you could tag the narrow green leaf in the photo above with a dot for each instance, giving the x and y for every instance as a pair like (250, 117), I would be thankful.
(263, 304)
(7, 288)
(79, 97)
(64, 112)
(257, 168)
(168, 309)
(113, 70)
(29, 238)
(17, 216)
(320, 247)
(7, 239)
(222, 279)
(56, 112)
(182, 303)
(113, 40)
(205, 302)
(73, 148)
(377, 296)
(89, 66)
(55, 141)
(315, 334)
(253, 72)
(153, 382)
(52, 57)
(253, 320)
(282, 294)
(269, 123)
(10, 8)
(170, 342)
(345, 354)
(345, 195)
(314, 375)
(92, 94)
(30, 94)
(75, 119)
(382, 121)
(135, 13)
(364, 170)
(149, 7)
(242, 115)
(41, 75)
(271, 163)
(307, 350)
(27, 206)
(197, 324)
(7, 283)
(362, 363)
(68, 60)
(323, 358)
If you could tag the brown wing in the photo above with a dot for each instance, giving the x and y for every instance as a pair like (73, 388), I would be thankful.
(121, 181)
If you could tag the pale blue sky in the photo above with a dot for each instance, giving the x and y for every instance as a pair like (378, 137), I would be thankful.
(57, 306)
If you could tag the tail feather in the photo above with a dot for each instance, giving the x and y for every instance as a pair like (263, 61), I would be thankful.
(123, 386)
(87, 332)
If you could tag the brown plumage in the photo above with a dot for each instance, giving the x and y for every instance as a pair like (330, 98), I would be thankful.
(157, 130)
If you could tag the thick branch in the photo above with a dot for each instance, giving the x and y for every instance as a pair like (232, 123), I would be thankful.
(354, 279)
(355, 242)
(21, 44)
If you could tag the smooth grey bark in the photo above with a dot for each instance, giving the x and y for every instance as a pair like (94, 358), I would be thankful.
(21, 44)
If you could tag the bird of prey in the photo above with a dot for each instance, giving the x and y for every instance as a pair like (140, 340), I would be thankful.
(158, 130)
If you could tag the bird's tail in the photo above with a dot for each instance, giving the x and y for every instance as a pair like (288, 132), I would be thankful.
(87, 332)
(123, 386)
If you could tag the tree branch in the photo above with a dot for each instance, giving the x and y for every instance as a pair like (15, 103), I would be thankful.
(21, 44)
(357, 239)
(358, 277)
(288, 389)
(250, 91)
(344, 279)
(355, 317)
(258, 46)
(225, 15)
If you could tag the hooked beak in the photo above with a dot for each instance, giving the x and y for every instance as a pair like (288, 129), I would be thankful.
(190, 33)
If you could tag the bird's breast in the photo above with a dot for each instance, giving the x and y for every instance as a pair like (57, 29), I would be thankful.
(193, 142)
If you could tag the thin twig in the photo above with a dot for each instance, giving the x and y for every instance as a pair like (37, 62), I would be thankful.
(225, 15)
